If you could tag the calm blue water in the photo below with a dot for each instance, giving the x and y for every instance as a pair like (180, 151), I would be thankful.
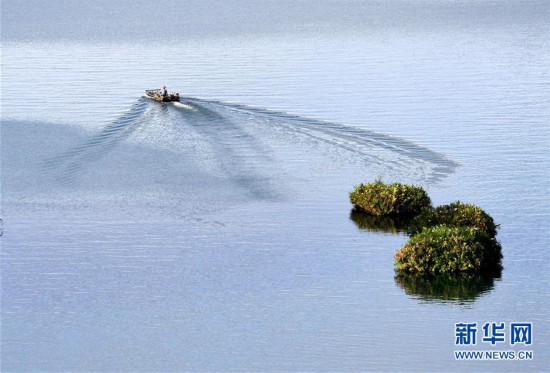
(215, 234)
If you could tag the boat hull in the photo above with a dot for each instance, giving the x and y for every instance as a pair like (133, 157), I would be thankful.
(157, 96)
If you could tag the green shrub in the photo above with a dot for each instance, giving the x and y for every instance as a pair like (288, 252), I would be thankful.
(456, 214)
(454, 288)
(391, 200)
(447, 250)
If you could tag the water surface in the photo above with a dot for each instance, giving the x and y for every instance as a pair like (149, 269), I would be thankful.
(216, 234)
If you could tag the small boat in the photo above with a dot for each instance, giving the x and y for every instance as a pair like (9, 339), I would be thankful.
(156, 94)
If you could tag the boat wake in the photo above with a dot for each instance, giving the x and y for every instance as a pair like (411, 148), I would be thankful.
(65, 165)
(233, 136)
(394, 157)
(203, 155)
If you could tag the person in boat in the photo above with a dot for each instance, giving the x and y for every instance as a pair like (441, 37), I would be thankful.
(164, 92)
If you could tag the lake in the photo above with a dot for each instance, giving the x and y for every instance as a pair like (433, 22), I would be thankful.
(216, 234)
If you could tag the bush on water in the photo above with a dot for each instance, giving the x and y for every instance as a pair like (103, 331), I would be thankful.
(447, 250)
(452, 239)
(391, 200)
(456, 214)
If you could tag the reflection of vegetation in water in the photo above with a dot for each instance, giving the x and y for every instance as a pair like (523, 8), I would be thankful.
(377, 223)
(457, 288)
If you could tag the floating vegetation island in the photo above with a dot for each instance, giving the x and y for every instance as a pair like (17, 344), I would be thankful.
(447, 250)
(451, 239)
(395, 200)
(456, 214)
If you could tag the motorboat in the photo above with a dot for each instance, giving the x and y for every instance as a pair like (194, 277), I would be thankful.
(156, 94)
